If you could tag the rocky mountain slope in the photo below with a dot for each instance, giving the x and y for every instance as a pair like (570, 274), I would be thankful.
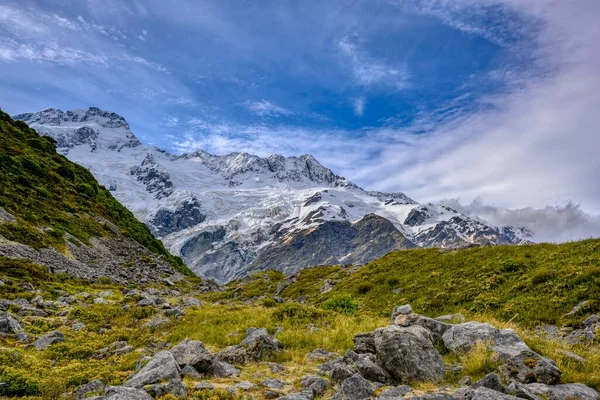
(53, 212)
(230, 215)
(325, 332)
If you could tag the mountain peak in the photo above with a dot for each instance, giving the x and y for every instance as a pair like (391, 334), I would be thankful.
(93, 127)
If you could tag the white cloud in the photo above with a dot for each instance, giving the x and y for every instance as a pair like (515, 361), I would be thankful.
(265, 108)
(359, 106)
(368, 71)
(549, 224)
(11, 51)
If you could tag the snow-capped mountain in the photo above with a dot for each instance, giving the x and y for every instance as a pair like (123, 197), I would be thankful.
(233, 214)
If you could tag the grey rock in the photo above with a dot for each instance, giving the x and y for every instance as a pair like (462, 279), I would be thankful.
(303, 395)
(519, 390)
(5, 216)
(192, 302)
(223, 369)
(191, 372)
(155, 322)
(573, 356)
(273, 383)
(321, 355)
(568, 391)
(364, 343)
(394, 393)
(354, 388)
(204, 386)
(490, 381)
(404, 309)
(340, 372)
(406, 354)
(161, 367)
(328, 285)
(125, 393)
(174, 312)
(22, 337)
(49, 339)
(93, 386)
(77, 326)
(519, 361)
(271, 394)
(245, 385)
(256, 346)
(275, 368)
(9, 323)
(174, 387)
(576, 308)
(317, 384)
(483, 393)
(26, 286)
(193, 352)
(371, 371)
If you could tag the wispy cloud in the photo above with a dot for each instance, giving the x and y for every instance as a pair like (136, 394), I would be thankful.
(11, 51)
(358, 104)
(368, 71)
(265, 108)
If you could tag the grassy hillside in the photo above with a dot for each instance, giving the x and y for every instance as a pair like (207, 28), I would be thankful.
(49, 195)
(528, 285)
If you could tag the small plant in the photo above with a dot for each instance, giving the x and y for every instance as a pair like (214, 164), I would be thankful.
(342, 304)
(269, 302)
(479, 361)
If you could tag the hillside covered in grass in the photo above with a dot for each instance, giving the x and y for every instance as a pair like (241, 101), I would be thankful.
(530, 285)
(46, 201)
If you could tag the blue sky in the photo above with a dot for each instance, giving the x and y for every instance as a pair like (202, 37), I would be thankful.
(441, 99)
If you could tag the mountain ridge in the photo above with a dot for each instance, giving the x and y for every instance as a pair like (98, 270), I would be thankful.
(226, 213)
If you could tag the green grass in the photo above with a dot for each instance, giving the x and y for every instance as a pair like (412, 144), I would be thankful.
(529, 284)
(49, 195)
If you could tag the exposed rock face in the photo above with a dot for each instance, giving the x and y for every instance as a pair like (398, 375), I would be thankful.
(354, 388)
(9, 323)
(193, 353)
(406, 354)
(125, 393)
(519, 361)
(106, 257)
(333, 242)
(49, 339)
(187, 214)
(257, 345)
(564, 392)
(162, 367)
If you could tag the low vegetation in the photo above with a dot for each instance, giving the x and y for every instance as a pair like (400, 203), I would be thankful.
(51, 196)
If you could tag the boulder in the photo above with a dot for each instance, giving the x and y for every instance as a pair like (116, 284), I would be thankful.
(340, 371)
(161, 367)
(354, 388)
(519, 361)
(93, 386)
(222, 369)
(394, 393)
(490, 381)
(193, 352)
(49, 339)
(191, 372)
(273, 383)
(364, 343)
(568, 391)
(174, 387)
(407, 354)
(370, 370)
(484, 393)
(315, 383)
(303, 395)
(9, 323)
(398, 311)
(256, 346)
(125, 393)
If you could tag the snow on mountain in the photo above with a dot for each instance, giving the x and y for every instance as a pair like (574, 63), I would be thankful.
(233, 214)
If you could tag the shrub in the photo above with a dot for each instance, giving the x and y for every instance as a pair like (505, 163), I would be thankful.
(17, 385)
(542, 276)
(511, 266)
(364, 288)
(342, 304)
(269, 302)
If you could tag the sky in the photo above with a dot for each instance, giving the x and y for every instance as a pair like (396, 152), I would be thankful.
(484, 103)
